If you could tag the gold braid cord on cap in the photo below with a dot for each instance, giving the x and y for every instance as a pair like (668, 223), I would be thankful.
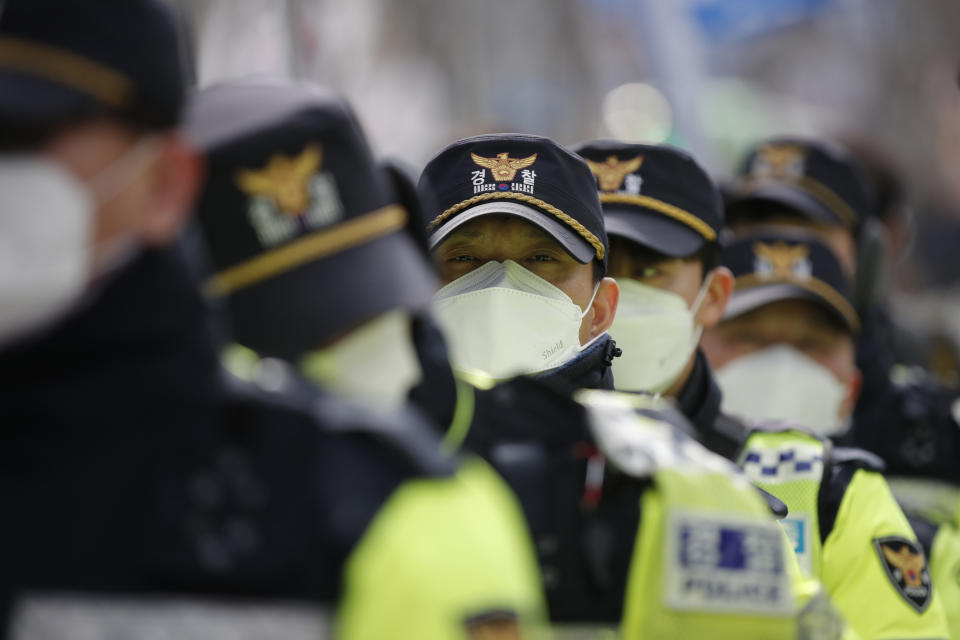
(666, 209)
(67, 68)
(585, 233)
(816, 189)
(813, 285)
(316, 245)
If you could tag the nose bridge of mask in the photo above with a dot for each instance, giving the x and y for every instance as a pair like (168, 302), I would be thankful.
(510, 276)
(637, 298)
(114, 179)
(782, 383)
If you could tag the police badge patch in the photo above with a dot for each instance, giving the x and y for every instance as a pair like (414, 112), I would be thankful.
(906, 566)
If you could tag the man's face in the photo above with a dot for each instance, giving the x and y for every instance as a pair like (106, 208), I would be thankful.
(681, 276)
(801, 324)
(141, 196)
(500, 238)
(676, 275)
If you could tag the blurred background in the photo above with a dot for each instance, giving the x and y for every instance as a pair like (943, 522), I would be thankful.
(712, 76)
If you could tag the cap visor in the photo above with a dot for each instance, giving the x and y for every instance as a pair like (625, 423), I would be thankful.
(302, 309)
(34, 101)
(581, 250)
(778, 195)
(654, 231)
(745, 300)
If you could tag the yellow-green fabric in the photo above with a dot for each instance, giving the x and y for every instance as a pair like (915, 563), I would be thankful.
(440, 553)
(462, 416)
(789, 465)
(937, 503)
(853, 572)
(709, 560)
(648, 611)
(945, 571)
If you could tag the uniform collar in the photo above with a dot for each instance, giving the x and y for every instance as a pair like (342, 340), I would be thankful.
(699, 401)
(589, 370)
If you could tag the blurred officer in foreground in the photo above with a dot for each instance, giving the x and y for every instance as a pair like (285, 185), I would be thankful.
(309, 246)
(784, 356)
(145, 493)
(629, 514)
(819, 187)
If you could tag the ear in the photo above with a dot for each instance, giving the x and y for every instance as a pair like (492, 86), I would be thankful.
(177, 177)
(854, 386)
(603, 309)
(716, 298)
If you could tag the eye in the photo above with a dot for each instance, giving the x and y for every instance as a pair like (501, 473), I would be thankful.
(649, 272)
(542, 257)
(465, 258)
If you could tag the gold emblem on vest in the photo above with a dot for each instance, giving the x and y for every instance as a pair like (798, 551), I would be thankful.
(906, 565)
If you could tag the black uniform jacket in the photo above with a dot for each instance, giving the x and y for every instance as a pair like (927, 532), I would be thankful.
(130, 463)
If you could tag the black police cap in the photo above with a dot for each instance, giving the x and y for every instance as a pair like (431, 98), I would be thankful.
(524, 176)
(787, 264)
(814, 179)
(305, 234)
(655, 195)
(67, 59)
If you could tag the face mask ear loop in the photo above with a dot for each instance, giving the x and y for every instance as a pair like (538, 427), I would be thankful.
(695, 307)
(592, 298)
(114, 179)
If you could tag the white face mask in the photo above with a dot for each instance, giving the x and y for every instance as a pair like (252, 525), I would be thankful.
(375, 364)
(503, 320)
(657, 334)
(780, 383)
(46, 224)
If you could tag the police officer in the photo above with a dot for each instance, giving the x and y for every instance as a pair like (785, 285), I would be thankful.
(784, 355)
(910, 423)
(521, 252)
(518, 237)
(819, 187)
(664, 216)
(299, 221)
(141, 485)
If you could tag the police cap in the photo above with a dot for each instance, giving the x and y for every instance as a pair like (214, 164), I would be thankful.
(655, 195)
(816, 180)
(523, 176)
(787, 265)
(306, 237)
(70, 59)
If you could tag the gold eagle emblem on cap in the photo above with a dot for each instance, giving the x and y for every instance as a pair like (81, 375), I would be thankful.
(779, 161)
(612, 172)
(284, 179)
(782, 261)
(503, 167)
